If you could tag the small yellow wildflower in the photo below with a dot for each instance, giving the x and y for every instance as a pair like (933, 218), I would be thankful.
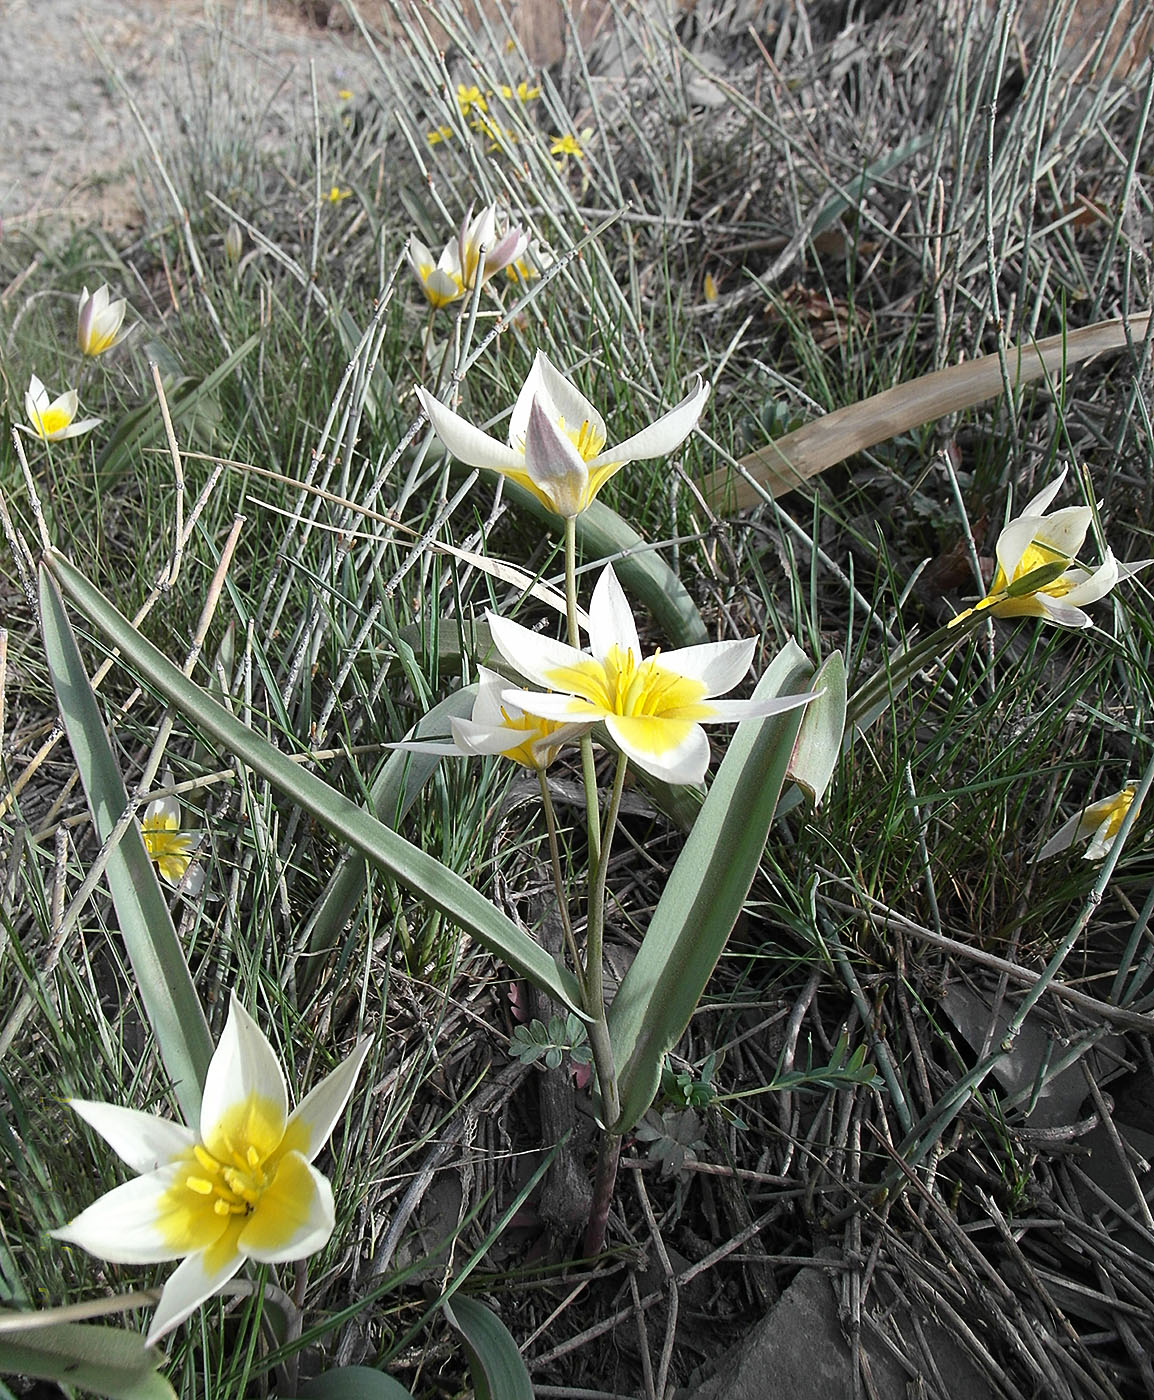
(469, 98)
(169, 847)
(568, 145)
(336, 194)
(1098, 823)
(442, 133)
(345, 94)
(523, 92)
(710, 287)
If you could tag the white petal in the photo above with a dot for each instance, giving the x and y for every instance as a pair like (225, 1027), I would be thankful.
(36, 397)
(190, 1284)
(1058, 611)
(717, 665)
(561, 400)
(554, 464)
(487, 705)
(163, 811)
(685, 763)
(1014, 541)
(728, 711)
(243, 1069)
(294, 1217)
(468, 444)
(1093, 585)
(1066, 835)
(610, 619)
(75, 429)
(1065, 530)
(661, 437)
(556, 705)
(481, 740)
(1040, 503)
(124, 1225)
(142, 1140)
(534, 656)
(313, 1119)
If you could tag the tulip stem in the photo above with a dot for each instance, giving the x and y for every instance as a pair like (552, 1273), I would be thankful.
(588, 770)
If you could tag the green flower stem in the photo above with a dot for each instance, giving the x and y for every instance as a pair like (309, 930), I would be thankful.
(588, 771)
(559, 886)
(594, 964)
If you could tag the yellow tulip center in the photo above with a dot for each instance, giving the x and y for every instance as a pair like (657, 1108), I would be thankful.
(623, 685)
(529, 753)
(1035, 556)
(1113, 812)
(50, 422)
(235, 1187)
(587, 439)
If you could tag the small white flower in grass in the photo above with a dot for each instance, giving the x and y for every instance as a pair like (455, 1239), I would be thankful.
(241, 1186)
(499, 727)
(99, 322)
(441, 279)
(51, 419)
(1037, 573)
(652, 706)
(169, 847)
(1098, 823)
(479, 236)
(557, 438)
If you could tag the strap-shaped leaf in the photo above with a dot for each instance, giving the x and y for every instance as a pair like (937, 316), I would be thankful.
(353, 1383)
(495, 1363)
(705, 893)
(105, 1360)
(819, 740)
(166, 988)
(424, 876)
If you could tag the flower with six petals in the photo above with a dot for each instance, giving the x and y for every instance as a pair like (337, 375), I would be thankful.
(652, 706)
(169, 847)
(1037, 573)
(241, 1186)
(99, 322)
(557, 438)
(51, 420)
(1098, 823)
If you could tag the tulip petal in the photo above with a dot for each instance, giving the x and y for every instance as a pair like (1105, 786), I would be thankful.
(564, 404)
(245, 1099)
(313, 1119)
(676, 751)
(1092, 586)
(142, 1140)
(536, 657)
(1039, 504)
(198, 1277)
(146, 1221)
(661, 437)
(731, 711)
(554, 465)
(717, 665)
(295, 1216)
(468, 444)
(610, 619)
(1065, 530)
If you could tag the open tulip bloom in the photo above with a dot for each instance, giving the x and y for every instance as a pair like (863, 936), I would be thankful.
(446, 279)
(241, 1186)
(99, 322)
(1098, 823)
(1037, 573)
(169, 847)
(653, 707)
(51, 419)
(557, 438)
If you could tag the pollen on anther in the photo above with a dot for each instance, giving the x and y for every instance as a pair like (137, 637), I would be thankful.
(199, 1185)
